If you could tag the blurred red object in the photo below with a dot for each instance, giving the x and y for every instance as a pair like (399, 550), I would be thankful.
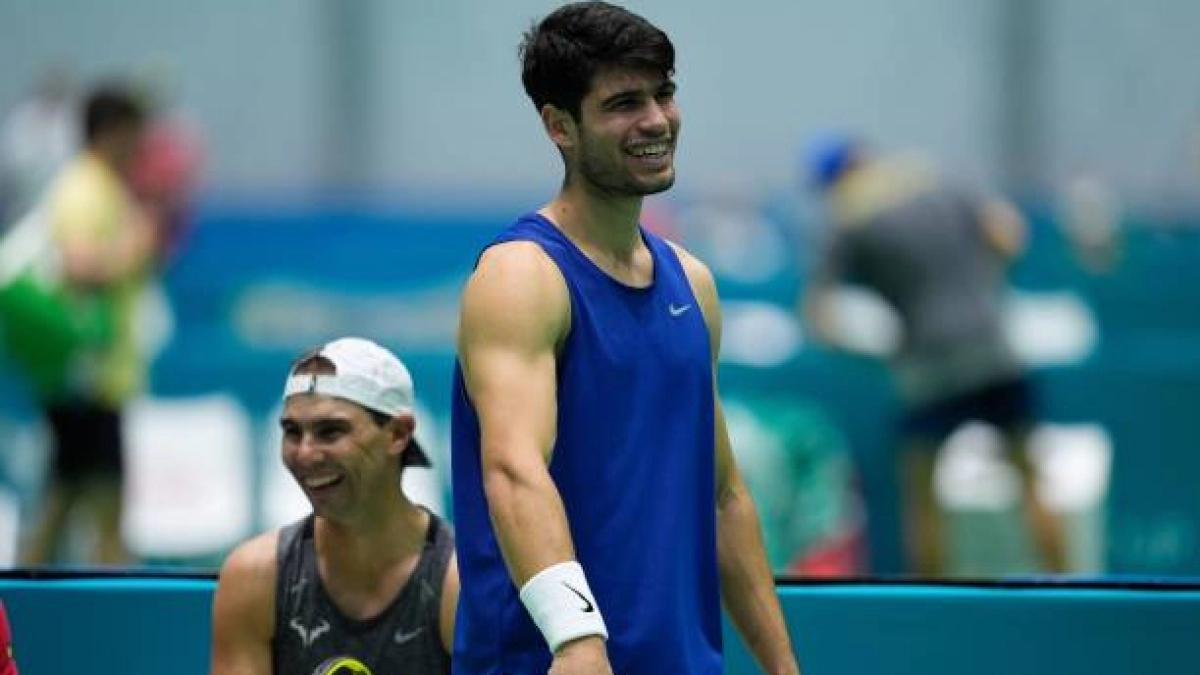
(164, 177)
(840, 556)
(7, 665)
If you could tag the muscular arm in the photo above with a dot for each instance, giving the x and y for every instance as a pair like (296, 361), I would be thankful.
(747, 585)
(818, 304)
(244, 610)
(515, 311)
(1004, 228)
(818, 313)
(447, 611)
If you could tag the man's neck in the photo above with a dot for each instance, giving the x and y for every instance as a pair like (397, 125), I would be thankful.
(101, 155)
(395, 532)
(363, 569)
(602, 226)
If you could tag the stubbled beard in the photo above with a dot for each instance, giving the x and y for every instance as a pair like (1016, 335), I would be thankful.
(616, 182)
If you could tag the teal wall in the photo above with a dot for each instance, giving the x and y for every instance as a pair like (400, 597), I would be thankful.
(256, 286)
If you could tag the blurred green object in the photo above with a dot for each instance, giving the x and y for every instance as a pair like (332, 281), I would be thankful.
(47, 332)
(797, 465)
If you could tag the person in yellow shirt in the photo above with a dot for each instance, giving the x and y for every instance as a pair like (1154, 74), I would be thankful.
(103, 247)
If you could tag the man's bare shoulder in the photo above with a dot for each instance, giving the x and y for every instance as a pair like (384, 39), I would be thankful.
(244, 608)
(254, 560)
(697, 272)
(516, 301)
(515, 280)
(515, 257)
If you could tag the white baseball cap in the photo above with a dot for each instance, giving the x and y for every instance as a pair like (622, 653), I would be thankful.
(366, 374)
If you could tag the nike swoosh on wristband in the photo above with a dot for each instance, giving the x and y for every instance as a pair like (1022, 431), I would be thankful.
(587, 604)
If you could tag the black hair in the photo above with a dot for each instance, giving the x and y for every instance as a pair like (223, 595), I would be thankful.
(109, 107)
(561, 54)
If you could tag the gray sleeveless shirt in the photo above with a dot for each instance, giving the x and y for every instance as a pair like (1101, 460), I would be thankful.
(313, 637)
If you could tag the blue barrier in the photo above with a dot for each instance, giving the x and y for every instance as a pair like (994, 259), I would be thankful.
(155, 625)
(987, 630)
(117, 626)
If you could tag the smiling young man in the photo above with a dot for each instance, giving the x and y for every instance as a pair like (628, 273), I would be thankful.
(601, 515)
(367, 583)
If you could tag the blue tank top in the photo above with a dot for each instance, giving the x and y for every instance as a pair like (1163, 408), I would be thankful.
(634, 461)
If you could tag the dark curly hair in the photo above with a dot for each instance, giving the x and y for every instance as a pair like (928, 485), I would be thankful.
(561, 54)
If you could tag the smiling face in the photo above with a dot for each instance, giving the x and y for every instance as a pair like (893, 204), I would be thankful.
(339, 455)
(623, 144)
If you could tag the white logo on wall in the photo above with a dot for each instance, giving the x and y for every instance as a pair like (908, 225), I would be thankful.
(264, 314)
(309, 635)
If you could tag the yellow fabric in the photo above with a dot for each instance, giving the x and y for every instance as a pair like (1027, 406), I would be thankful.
(89, 205)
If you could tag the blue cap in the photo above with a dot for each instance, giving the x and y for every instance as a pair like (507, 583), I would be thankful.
(826, 156)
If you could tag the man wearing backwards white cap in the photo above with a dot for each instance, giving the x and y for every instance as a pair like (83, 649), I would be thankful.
(368, 582)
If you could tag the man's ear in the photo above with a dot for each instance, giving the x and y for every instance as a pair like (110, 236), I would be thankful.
(401, 429)
(560, 126)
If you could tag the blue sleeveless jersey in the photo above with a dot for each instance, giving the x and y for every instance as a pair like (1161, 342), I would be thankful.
(634, 461)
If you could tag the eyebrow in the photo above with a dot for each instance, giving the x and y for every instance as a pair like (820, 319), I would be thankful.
(668, 84)
(316, 421)
(624, 93)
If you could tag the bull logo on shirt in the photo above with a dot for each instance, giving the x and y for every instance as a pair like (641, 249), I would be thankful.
(309, 635)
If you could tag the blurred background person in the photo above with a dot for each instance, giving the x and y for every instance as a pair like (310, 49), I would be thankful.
(937, 255)
(39, 134)
(166, 169)
(102, 246)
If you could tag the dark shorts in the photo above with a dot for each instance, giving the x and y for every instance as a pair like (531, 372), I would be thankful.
(1008, 406)
(87, 441)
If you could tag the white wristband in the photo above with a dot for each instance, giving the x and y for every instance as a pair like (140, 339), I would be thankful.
(561, 604)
